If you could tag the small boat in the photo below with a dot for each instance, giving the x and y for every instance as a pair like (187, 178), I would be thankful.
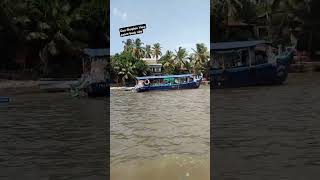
(247, 63)
(170, 82)
(4, 99)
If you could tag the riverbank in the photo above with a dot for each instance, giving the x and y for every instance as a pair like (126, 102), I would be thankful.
(12, 87)
(301, 67)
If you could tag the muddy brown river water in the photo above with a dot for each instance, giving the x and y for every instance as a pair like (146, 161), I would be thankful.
(53, 137)
(160, 135)
(258, 133)
(267, 133)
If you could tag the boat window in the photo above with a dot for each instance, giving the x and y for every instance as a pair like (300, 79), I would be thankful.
(155, 82)
(184, 80)
(261, 57)
(230, 59)
(244, 58)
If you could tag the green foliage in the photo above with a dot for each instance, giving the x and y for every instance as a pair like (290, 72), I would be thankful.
(125, 67)
(284, 19)
(47, 29)
(128, 64)
(183, 62)
(156, 49)
(148, 51)
(247, 11)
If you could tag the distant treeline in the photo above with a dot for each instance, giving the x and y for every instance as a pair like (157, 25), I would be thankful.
(129, 64)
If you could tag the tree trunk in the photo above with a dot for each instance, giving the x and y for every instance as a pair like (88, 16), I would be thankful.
(310, 42)
(123, 81)
(43, 54)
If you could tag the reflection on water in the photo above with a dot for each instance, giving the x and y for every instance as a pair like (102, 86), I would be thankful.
(268, 132)
(53, 136)
(152, 132)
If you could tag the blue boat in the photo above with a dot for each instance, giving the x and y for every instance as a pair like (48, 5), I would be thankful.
(170, 82)
(101, 89)
(4, 99)
(247, 63)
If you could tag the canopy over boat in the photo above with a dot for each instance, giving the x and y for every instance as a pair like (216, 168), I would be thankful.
(163, 77)
(236, 45)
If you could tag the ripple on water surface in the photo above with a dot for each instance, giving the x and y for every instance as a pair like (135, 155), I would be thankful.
(53, 136)
(150, 130)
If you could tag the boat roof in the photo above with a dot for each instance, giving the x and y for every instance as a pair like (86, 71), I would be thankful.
(163, 77)
(236, 45)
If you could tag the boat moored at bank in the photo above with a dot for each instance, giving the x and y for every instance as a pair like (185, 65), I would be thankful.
(247, 63)
(170, 82)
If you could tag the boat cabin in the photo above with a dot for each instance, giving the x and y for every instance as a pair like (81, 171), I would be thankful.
(165, 80)
(245, 63)
(170, 82)
(228, 55)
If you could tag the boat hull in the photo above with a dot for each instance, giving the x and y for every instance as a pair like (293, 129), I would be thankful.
(4, 99)
(192, 85)
(263, 74)
(101, 89)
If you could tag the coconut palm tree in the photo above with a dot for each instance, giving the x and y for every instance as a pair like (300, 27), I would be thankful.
(138, 50)
(54, 27)
(126, 71)
(156, 49)
(231, 7)
(201, 57)
(126, 66)
(189, 64)
(148, 51)
(201, 53)
(180, 57)
(290, 14)
(128, 45)
(222, 11)
(168, 62)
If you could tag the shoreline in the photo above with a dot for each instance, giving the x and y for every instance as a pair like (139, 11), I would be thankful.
(15, 87)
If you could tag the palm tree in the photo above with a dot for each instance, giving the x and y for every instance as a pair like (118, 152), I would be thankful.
(223, 11)
(138, 50)
(156, 50)
(148, 51)
(201, 57)
(167, 62)
(128, 45)
(180, 57)
(230, 7)
(167, 59)
(189, 65)
(291, 14)
(46, 29)
(126, 71)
